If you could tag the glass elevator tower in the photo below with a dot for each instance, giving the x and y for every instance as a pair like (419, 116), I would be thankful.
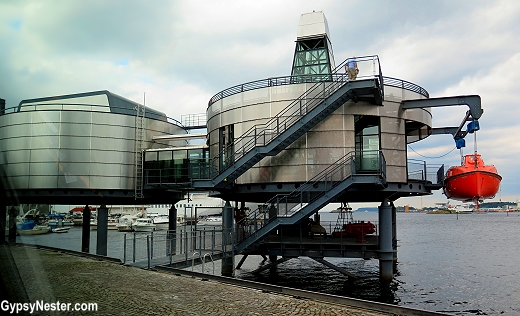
(313, 57)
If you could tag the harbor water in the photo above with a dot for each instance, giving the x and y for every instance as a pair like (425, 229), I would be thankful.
(462, 266)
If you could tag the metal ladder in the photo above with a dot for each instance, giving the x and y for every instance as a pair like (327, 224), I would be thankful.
(139, 144)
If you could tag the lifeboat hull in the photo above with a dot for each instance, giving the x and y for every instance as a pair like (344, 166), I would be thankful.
(472, 181)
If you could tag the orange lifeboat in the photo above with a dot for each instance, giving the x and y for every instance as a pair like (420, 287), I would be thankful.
(473, 180)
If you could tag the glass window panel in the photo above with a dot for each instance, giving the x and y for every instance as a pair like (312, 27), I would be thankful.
(165, 155)
(179, 154)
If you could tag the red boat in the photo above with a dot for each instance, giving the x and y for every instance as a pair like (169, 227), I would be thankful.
(473, 180)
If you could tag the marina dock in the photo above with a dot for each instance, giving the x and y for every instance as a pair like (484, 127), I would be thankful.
(124, 290)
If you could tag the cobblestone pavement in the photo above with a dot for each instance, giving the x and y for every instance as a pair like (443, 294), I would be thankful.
(123, 290)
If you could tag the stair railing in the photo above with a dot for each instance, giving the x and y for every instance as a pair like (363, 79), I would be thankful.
(287, 205)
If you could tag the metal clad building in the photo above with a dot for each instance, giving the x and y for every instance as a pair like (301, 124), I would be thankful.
(78, 141)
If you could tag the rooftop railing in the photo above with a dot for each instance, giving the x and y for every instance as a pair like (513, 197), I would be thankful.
(287, 80)
(87, 107)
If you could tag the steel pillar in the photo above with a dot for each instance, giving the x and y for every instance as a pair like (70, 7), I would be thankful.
(273, 212)
(102, 230)
(227, 231)
(394, 235)
(171, 235)
(85, 234)
(386, 249)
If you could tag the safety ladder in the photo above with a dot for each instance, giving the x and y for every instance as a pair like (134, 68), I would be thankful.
(139, 144)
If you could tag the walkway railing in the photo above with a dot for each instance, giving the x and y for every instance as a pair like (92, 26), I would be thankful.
(420, 171)
(165, 247)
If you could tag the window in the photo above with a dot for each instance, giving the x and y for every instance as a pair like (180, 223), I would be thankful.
(312, 60)
(367, 142)
(226, 146)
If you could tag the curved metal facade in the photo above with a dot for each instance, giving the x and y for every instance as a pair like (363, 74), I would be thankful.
(60, 145)
(331, 139)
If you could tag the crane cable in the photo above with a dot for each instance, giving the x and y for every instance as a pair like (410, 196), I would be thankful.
(449, 152)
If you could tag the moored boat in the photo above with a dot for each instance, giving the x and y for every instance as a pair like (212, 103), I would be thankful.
(211, 220)
(472, 180)
(143, 225)
(36, 230)
(112, 223)
(60, 229)
(161, 222)
(125, 223)
(93, 224)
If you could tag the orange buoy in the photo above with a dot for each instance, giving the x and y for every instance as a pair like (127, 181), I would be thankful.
(473, 180)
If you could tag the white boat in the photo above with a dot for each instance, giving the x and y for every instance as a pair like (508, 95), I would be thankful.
(37, 230)
(125, 223)
(69, 222)
(143, 225)
(181, 219)
(112, 223)
(93, 224)
(162, 222)
(60, 229)
(211, 220)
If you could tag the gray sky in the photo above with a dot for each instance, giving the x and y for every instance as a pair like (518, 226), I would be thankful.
(182, 52)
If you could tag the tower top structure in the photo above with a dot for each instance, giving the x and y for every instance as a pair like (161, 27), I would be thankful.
(313, 57)
(313, 24)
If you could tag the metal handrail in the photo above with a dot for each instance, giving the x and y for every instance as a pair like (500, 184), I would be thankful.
(204, 259)
(419, 170)
(287, 80)
(60, 106)
(263, 134)
(403, 84)
(193, 259)
(292, 203)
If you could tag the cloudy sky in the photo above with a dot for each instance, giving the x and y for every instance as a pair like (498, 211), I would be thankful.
(180, 53)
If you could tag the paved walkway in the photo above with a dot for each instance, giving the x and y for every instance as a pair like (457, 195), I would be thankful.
(124, 290)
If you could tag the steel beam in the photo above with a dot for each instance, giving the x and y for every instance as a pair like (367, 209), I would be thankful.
(270, 265)
(472, 101)
(340, 270)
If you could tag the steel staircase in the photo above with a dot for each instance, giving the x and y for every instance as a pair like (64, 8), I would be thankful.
(297, 206)
(295, 120)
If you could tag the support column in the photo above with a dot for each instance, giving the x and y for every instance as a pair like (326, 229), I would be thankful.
(102, 230)
(171, 235)
(227, 231)
(386, 249)
(85, 234)
(3, 221)
(273, 212)
(394, 235)
(13, 211)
